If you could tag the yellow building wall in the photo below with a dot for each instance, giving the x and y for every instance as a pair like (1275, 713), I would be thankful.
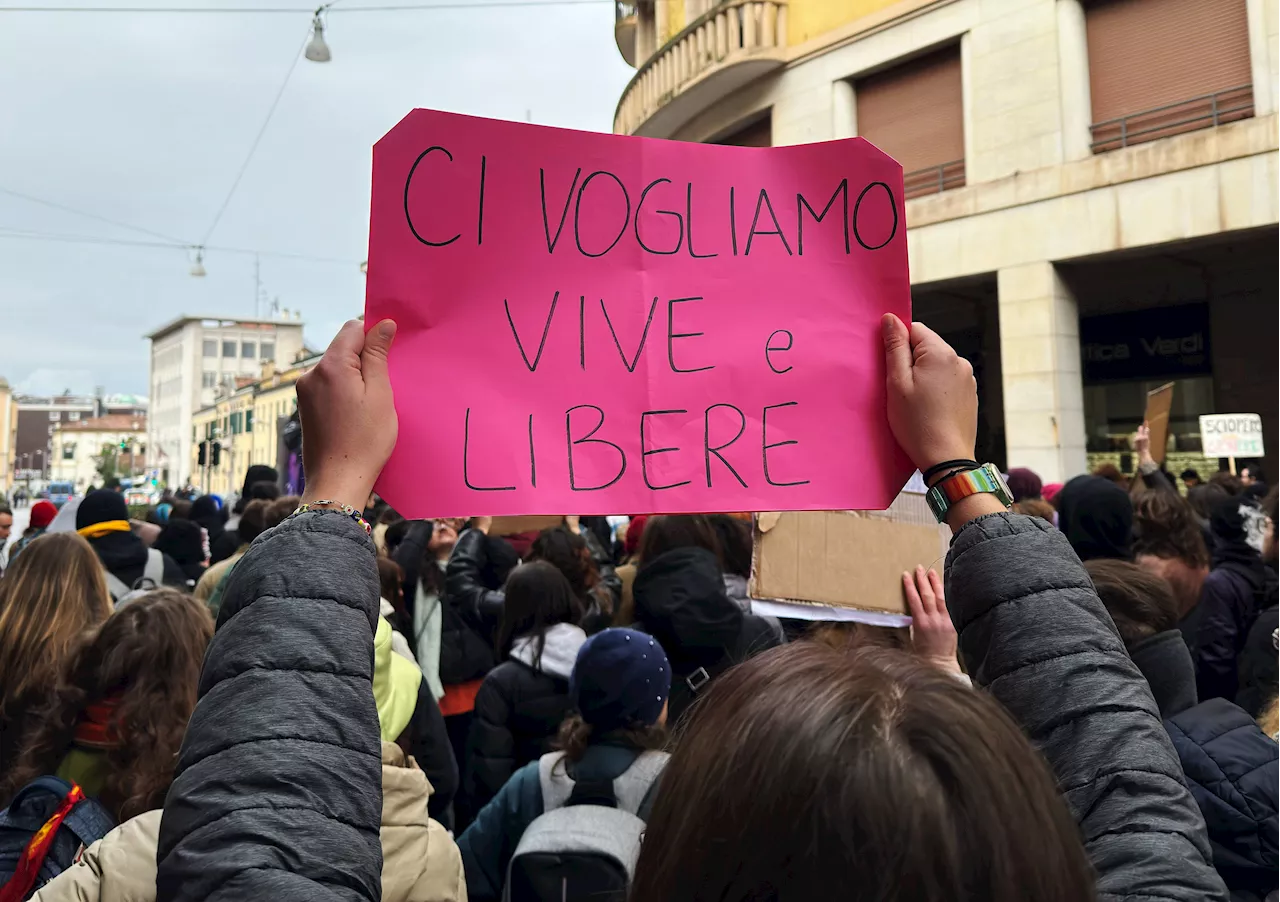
(809, 19)
(675, 20)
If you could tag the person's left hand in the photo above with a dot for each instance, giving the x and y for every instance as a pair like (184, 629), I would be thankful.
(348, 415)
(932, 633)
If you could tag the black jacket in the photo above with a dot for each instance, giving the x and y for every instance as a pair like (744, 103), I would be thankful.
(124, 555)
(277, 793)
(1258, 661)
(471, 610)
(1229, 604)
(1035, 635)
(519, 709)
(430, 747)
(1232, 770)
(681, 602)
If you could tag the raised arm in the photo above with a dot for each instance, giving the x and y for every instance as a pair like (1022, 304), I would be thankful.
(1035, 635)
(278, 789)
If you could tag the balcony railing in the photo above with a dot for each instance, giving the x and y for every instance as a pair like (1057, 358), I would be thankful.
(1206, 111)
(933, 179)
(730, 33)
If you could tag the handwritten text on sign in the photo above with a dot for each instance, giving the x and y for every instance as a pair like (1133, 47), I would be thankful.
(599, 324)
(1231, 435)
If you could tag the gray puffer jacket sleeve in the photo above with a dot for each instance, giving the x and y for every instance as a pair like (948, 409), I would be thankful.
(1034, 633)
(277, 792)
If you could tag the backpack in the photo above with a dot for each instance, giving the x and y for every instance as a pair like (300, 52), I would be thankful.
(42, 832)
(152, 576)
(585, 844)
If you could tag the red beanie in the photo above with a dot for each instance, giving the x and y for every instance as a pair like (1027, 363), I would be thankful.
(42, 514)
(634, 530)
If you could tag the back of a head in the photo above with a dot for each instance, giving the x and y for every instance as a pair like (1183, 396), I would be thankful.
(1202, 498)
(1035, 507)
(1230, 483)
(667, 532)
(569, 553)
(1110, 472)
(536, 596)
(253, 521)
(1096, 516)
(101, 506)
(1165, 526)
(1141, 603)
(183, 541)
(263, 491)
(279, 510)
(734, 538)
(806, 775)
(181, 510)
(1024, 483)
(55, 590)
(143, 668)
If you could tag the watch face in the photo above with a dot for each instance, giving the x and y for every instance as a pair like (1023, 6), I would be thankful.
(1003, 492)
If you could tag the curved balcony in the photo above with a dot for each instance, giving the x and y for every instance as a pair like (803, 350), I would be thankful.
(730, 45)
(624, 29)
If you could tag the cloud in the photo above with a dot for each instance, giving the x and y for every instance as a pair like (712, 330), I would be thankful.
(146, 118)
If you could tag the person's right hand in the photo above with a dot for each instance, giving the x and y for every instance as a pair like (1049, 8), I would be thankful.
(933, 397)
(348, 415)
(1142, 444)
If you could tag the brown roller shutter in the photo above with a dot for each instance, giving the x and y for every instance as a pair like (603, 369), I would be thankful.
(1154, 63)
(915, 113)
(757, 134)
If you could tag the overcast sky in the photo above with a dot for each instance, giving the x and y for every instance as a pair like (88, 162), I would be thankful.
(145, 118)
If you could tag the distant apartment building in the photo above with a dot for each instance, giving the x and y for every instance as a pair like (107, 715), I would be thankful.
(78, 448)
(35, 419)
(193, 360)
(1091, 185)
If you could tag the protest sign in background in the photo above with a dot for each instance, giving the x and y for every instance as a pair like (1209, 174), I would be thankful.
(1231, 435)
(594, 323)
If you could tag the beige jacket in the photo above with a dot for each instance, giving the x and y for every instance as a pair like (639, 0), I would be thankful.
(210, 578)
(420, 861)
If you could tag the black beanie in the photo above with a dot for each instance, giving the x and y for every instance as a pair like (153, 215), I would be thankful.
(99, 507)
(183, 541)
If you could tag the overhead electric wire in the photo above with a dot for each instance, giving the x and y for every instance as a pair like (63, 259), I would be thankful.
(8, 232)
(294, 10)
(253, 148)
(85, 213)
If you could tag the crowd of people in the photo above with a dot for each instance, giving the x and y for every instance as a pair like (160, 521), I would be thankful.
(315, 698)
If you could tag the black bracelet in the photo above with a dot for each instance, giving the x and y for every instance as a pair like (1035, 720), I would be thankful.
(938, 468)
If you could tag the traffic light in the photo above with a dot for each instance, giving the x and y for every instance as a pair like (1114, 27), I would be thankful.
(215, 454)
(123, 445)
(203, 458)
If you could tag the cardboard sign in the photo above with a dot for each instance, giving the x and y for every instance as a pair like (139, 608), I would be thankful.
(1231, 435)
(845, 564)
(1159, 403)
(601, 323)
(510, 526)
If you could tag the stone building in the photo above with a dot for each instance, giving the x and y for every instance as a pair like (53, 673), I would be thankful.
(1091, 184)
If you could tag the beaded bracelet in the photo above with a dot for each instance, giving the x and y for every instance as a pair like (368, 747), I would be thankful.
(336, 508)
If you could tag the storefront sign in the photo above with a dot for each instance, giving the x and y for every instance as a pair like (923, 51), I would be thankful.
(599, 323)
(1231, 435)
(1160, 343)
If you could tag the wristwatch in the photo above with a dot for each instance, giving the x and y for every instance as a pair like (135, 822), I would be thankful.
(985, 478)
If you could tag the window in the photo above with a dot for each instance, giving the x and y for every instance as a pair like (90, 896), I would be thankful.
(757, 134)
(74, 416)
(210, 347)
(208, 379)
(55, 416)
(68, 450)
(267, 350)
(228, 349)
(914, 112)
(247, 350)
(1162, 67)
(248, 420)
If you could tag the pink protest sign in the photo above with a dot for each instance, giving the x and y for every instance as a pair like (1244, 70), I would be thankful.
(596, 324)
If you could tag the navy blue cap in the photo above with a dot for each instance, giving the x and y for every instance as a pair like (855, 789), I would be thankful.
(622, 677)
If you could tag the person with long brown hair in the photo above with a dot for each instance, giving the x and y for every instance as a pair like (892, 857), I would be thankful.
(115, 720)
(50, 596)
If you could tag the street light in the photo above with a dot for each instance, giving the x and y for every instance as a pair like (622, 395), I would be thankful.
(197, 268)
(317, 50)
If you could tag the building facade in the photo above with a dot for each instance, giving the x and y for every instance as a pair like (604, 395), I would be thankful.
(1091, 185)
(8, 426)
(34, 422)
(245, 423)
(79, 446)
(193, 358)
